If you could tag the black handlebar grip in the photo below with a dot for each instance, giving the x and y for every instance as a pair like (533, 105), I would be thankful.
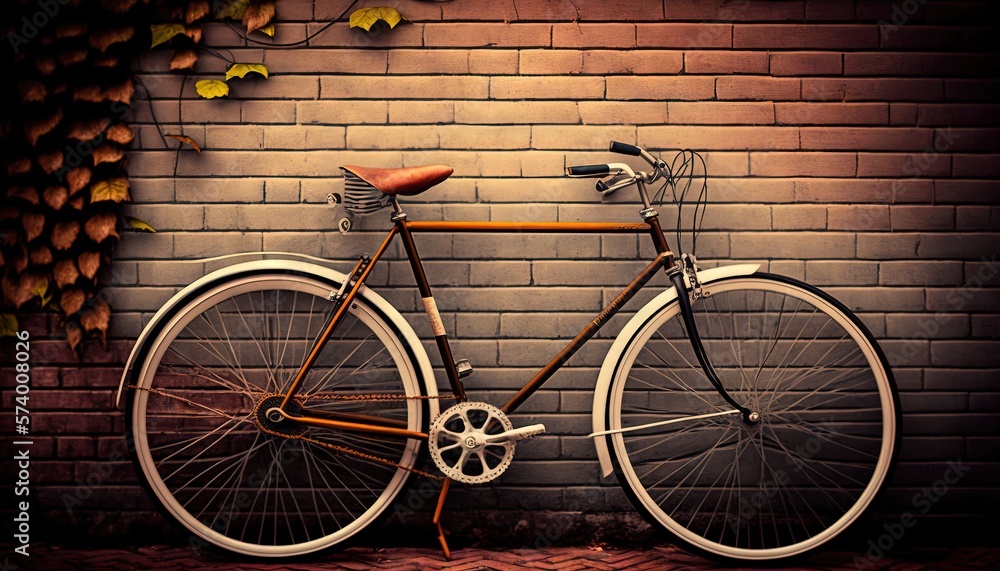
(625, 149)
(589, 170)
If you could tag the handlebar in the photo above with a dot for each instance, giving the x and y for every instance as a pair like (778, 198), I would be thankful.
(619, 169)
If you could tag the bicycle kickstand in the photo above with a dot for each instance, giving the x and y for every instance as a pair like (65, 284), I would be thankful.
(437, 518)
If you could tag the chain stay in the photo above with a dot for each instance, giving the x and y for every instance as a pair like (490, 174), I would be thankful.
(327, 445)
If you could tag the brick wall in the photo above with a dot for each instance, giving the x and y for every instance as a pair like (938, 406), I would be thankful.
(861, 157)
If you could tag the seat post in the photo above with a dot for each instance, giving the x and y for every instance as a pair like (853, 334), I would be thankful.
(397, 211)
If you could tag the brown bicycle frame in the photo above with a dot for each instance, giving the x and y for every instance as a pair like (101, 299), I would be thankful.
(405, 229)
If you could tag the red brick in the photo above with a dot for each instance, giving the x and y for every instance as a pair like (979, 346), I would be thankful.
(803, 164)
(922, 218)
(684, 35)
(881, 89)
(958, 114)
(732, 11)
(712, 113)
(856, 217)
(410, 35)
(758, 88)
(593, 35)
(882, 63)
(500, 10)
(903, 113)
(725, 62)
(720, 138)
(900, 165)
(971, 90)
(491, 35)
(819, 36)
(805, 63)
(868, 139)
(600, 62)
(818, 10)
(831, 113)
(910, 36)
(659, 88)
(977, 166)
(316, 61)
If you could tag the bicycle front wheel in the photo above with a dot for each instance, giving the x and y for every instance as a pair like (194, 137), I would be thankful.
(823, 447)
(238, 480)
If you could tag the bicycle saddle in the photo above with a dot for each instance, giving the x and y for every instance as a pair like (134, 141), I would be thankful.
(406, 181)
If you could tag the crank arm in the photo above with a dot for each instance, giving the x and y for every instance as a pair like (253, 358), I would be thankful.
(523, 433)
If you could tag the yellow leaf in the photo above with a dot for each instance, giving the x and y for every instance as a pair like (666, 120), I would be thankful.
(258, 15)
(365, 18)
(233, 9)
(139, 225)
(241, 69)
(211, 88)
(8, 325)
(268, 29)
(115, 189)
(162, 33)
(187, 140)
(41, 290)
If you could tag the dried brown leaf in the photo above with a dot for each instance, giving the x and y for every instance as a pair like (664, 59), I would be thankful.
(183, 59)
(56, 196)
(9, 211)
(106, 61)
(89, 263)
(193, 32)
(31, 91)
(18, 291)
(65, 273)
(96, 318)
(33, 130)
(71, 301)
(64, 234)
(25, 193)
(70, 57)
(107, 153)
(120, 133)
(121, 93)
(71, 29)
(41, 256)
(45, 64)
(186, 140)
(258, 15)
(51, 162)
(77, 203)
(196, 10)
(77, 179)
(87, 130)
(101, 227)
(34, 224)
(19, 165)
(89, 93)
(74, 335)
(107, 38)
(117, 6)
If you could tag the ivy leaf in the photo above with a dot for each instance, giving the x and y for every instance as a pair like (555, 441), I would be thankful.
(41, 256)
(107, 153)
(41, 290)
(74, 336)
(139, 225)
(101, 226)
(196, 9)
(96, 318)
(187, 140)
(268, 30)
(77, 179)
(89, 263)
(34, 223)
(8, 325)
(65, 273)
(365, 18)
(258, 15)
(56, 196)
(71, 301)
(115, 189)
(121, 93)
(163, 33)
(120, 133)
(241, 69)
(183, 59)
(104, 40)
(212, 88)
(64, 234)
(233, 9)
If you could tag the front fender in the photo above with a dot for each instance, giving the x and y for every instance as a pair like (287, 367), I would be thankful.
(610, 366)
(371, 298)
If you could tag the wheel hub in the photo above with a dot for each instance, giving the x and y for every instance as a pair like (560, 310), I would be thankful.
(270, 420)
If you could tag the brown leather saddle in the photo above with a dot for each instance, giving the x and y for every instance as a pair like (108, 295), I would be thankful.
(406, 181)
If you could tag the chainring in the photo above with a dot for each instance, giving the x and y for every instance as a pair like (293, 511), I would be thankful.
(457, 442)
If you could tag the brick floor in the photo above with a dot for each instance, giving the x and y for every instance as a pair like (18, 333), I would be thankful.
(665, 557)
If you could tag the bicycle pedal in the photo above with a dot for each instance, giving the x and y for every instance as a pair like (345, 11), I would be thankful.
(464, 368)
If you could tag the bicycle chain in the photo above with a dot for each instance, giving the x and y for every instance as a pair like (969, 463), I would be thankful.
(336, 447)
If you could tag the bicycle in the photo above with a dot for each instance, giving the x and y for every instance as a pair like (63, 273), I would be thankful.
(278, 407)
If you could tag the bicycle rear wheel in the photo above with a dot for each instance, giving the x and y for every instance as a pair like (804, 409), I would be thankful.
(230, 476)
(823, 448)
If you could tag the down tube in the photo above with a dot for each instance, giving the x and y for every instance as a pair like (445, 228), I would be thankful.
(593, 327)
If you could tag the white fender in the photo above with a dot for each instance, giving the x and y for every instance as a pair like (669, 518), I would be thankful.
(609, 368)
(423, 364)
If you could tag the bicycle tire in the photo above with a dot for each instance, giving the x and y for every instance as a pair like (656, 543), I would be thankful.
(828, 412)
(250, 492)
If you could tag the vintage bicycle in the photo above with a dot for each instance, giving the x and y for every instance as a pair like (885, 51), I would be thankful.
(278, 407)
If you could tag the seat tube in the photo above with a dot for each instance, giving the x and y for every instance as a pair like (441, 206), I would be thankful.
(430, 307)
